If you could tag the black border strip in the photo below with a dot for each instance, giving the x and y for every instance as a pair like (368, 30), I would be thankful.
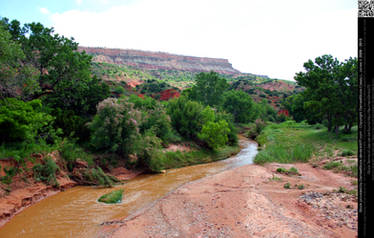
(365, 125)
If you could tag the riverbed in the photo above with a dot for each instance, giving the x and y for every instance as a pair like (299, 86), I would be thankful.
(76, 212)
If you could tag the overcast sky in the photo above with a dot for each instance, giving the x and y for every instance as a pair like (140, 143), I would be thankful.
(268, 37)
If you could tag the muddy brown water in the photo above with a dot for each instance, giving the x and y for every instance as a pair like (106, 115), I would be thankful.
(76, 212)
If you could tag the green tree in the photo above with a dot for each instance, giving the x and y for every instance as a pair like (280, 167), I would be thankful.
(64, 74)
(215, 134)
(61, 75)
(330, 90)
(295, 106)
(186, 116)
(209, 88)
(17, 79)
(265, 112)
(22, 121)
(240, 105)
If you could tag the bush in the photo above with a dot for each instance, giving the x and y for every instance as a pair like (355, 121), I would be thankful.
(186, 116)
(22, 121)
(240, 105)
(291, 171)
(70, 152)
(332, 165)
(46, 172)
(215, 134)
(96, 176)
(112, 197)
(287, 186)
(10, 172)
(115, 126)
(347, 153)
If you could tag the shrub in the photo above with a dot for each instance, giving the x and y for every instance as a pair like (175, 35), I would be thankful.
(112, 197)
(215, 134)
(115, 126)
(98, 177)
(186, 116)
(291, 171)
(347, 153)
(287, 186)
(21, 121)
(332, 165)
(70, 152)
(46, 172)
(240, 105)
(10, 172)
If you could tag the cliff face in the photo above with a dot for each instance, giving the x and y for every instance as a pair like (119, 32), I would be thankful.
(159, 60)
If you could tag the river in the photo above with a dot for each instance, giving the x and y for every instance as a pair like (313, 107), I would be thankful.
(76, 212)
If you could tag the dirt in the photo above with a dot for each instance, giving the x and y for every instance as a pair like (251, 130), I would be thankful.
(26, 194)
(249, 201)
(178, 147)
(124, 174)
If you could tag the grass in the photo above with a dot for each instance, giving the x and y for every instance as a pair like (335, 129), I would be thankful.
(112, 197)
(344, 190)
(338, 166)
(291, 142)
(179, 159)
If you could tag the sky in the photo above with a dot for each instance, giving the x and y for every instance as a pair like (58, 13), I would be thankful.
(266, 37)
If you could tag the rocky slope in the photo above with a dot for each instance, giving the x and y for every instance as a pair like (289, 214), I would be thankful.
(159, 60)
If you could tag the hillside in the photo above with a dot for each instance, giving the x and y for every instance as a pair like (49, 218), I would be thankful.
(134, 68)
(159, 60)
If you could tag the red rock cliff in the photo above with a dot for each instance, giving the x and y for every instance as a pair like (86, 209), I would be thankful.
(159, 60)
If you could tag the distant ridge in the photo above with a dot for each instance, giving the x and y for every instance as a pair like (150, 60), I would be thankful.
(159, 60)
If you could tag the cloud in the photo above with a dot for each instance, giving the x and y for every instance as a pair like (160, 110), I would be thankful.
(78, 2)
(270, 37)
(44, 10)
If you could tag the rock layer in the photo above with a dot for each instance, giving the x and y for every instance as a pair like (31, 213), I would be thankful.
(159, 60)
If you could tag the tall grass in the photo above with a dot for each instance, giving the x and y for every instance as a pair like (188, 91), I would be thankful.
(290, 142)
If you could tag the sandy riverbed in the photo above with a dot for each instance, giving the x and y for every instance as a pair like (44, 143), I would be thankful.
(248, 202)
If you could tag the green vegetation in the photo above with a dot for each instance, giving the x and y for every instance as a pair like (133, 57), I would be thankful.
(70, 152)
(290, 142)
(344, 190)
(52, 97)
(96, 176)
(287, 185)
(347, 153)
(330, 95)
(339, 166)
(291, 171)
(46, 172)
(209, 89)
(300, 186)
(112, 197)
(179, 159)
(275, 178)
(240, 105)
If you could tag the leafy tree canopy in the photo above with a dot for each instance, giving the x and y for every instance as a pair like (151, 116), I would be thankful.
(240, 104)
(209, 89)
(331, 90)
